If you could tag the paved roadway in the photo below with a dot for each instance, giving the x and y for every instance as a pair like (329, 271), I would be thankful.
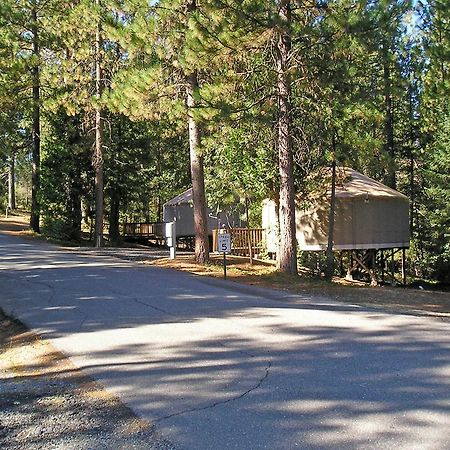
(220, 366)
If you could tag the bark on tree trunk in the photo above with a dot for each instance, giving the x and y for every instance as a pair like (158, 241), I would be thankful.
(197, 176)
(288, 245)
(412, 191)
(36, 131)
(114, 211)
(98, 154)
(389, 119)
(12, 182)
(249, 239)
(330, 257)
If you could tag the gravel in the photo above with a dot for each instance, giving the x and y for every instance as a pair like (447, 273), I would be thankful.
(46, 403)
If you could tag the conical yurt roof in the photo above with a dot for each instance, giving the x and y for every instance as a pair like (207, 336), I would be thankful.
(356, 184)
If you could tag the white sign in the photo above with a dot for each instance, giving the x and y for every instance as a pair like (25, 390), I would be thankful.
(224, 243)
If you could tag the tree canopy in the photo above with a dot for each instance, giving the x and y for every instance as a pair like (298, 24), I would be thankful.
(109, 108)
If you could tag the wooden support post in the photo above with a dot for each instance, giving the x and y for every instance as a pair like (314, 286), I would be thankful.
(250, 246)
(349, 276)
(382, 266)
(361, 263)
(372, 268)
(404, 266)
(392, 267)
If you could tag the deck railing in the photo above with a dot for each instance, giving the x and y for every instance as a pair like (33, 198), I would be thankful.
(144, 229)
(244, 241)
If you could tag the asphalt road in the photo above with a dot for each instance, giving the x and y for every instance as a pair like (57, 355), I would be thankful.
(216, 365)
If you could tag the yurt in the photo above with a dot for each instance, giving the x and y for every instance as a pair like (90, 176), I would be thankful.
(368, 215)
(181, 209)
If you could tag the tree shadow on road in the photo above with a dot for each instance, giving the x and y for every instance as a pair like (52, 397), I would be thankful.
(267, 370)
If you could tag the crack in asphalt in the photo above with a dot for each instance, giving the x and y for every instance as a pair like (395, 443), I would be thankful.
(141, 302)
(180, 319)
(223, 402)
(50, 299)
(23, 279)
(84, 318)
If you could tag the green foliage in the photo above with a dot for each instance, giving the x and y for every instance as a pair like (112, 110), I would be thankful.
(348, 59)
(66, 176)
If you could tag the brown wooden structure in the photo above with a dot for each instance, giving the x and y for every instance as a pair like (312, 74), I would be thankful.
(149, 230)
(244, 241)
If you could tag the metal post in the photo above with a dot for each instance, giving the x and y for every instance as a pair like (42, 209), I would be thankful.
(173, 248)
(224, 266)
(171, 238)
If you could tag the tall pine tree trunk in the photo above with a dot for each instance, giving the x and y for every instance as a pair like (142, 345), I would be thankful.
(412, 190)
(36, 131)
(197, 176)
(76, 184)
(12, 182)
(75, 206)
(287, 258)
(98, 154)
(330, 256)
(388, 119)
(114, 199)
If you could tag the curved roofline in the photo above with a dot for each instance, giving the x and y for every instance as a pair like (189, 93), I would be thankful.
(361, 185)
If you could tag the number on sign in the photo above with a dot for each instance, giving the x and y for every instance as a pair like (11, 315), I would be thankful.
(224, 243)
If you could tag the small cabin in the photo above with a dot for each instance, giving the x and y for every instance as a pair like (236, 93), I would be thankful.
(368, 215)
(181, 208)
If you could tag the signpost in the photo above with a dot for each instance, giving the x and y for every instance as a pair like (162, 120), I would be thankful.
(224, 246)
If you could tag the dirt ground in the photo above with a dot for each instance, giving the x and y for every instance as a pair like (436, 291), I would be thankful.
(15, 224)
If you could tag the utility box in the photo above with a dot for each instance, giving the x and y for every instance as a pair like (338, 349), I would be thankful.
(170, 234)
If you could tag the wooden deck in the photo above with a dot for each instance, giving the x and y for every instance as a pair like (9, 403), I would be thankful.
(244, 241)
(150, 230)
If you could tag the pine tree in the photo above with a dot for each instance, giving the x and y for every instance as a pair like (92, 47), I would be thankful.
(288, 244)
(434, 198)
